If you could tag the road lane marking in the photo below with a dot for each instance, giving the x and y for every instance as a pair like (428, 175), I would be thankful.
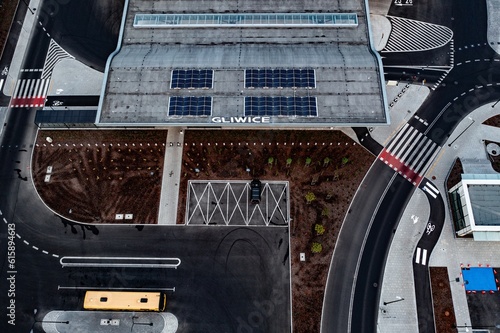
(435, 190)
(424, 257)
(430, 192)
(417, 259)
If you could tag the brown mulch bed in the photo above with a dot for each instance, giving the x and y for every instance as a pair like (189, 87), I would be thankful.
(443, 304)
(455, 175)
(495, 160)
(97, 174)
(335, 183)
(493, 121)
(7, 12)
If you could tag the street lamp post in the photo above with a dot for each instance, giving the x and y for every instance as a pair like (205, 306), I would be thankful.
(465, 326)
(44, 321)
(398, 299)
(29, 8)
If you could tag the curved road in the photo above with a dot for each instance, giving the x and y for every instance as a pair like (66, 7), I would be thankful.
(423, 295)
(352, 290)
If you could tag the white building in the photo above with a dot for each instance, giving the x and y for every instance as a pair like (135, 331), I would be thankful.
(475, 206)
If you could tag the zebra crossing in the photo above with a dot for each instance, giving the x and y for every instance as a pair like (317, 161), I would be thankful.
(30, 93)
(409, 35)
(55, 54)
(410, 153)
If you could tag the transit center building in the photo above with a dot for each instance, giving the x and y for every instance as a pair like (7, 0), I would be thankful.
(254, 63)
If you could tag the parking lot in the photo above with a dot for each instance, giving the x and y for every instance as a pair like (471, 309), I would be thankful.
(219, 202)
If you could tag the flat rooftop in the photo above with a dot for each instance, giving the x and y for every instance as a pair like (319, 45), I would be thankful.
(485, 204)
(225, 63)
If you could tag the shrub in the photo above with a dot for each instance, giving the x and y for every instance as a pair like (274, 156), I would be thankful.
(320, 229)
(316, 247)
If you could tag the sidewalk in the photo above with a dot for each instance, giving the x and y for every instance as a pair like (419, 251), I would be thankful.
(108, 321)
(22, 43)
(171, 176)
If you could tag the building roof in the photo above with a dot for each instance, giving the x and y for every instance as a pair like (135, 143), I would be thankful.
(482, 195)
(348, 89)
(485, 201)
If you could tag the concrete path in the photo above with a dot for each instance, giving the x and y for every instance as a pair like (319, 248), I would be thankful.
(108, 321)
(22, 43)
(171, 176)
(71, 77)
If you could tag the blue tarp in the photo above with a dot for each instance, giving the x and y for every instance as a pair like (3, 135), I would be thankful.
(479, 279)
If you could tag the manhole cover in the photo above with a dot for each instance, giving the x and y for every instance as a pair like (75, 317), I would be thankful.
(493, 149)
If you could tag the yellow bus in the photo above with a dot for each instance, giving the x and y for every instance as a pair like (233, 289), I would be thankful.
(124, 300)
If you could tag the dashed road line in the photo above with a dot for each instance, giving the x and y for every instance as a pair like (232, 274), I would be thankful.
(28, 243)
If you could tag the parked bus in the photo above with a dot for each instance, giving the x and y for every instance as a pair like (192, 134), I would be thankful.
(124, 300)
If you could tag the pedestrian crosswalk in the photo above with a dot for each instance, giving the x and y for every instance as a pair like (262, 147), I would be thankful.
(410, 153)
(30, 93)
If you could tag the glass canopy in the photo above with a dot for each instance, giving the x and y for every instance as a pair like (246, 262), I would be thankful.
(245, 20)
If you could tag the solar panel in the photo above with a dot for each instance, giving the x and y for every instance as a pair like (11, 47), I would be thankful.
(281, 106)
(280, 78)
(190, 106)
(192, 78)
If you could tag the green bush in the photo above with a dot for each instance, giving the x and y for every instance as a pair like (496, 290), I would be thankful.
(316, 247)
(320, 229)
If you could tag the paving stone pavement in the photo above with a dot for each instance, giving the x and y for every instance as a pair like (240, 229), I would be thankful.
(169, 198)
(449, 252)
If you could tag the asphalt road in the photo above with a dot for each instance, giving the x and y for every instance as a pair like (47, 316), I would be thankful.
(88, 30)
(425, 246)
(73, 100)
(231, 279)
(352, 297)
(340, 303)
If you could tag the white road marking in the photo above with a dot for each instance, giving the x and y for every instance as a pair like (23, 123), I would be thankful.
(424, 257)
(435, 190)
(430, 192)
(417, 259)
